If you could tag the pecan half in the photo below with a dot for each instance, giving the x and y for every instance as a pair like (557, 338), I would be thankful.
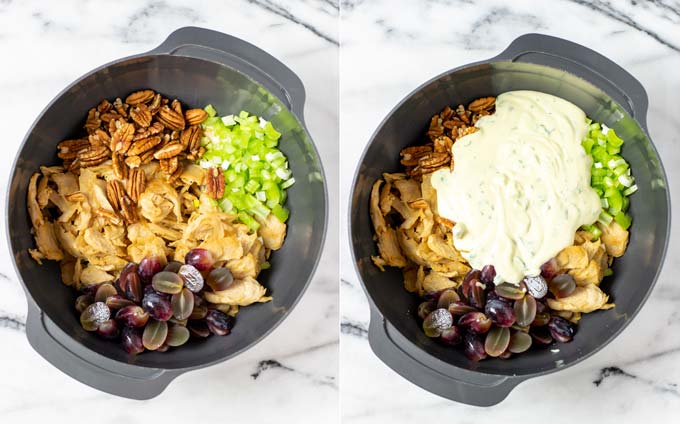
(443, 144)
(68, 149)
(120, 169)
(175, 175)
(143, 145)
(466, 131)
(169, 166)
(215, 183)
(146, 157)
(109, 216)
(92, 122)
(104, 106)
(133, 161)
(128, 209)
(484, 103)
(120, 107)
(169, 150)
(412, 154)
(171, 119)
(447, 223)
(93, 156)
(419, 204)
(114, 192)
(138, 97)
(191, 137)
(176, 106)
(110, 116)
(122, 137)
(136, 183)
(155, 104)
(195, 116)
(463, 114)
(141, 115)
(433, 160)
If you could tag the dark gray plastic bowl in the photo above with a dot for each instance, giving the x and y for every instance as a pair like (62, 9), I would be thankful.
(198, 67)
(607, 94)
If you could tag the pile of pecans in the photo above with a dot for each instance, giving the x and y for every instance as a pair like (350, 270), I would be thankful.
(131, 133)
(445, 128)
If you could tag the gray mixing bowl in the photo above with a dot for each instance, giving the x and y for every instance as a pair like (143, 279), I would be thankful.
(198, 67)
(607, 94)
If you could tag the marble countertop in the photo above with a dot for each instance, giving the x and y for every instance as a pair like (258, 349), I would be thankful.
(388, 49)
(291, 375)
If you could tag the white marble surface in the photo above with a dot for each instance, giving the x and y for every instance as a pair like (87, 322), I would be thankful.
(388, 49)
(47, 44)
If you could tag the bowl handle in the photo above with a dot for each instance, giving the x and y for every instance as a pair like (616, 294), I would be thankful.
(240, 55)
(433, 375)
(585, 63)
(89, 367)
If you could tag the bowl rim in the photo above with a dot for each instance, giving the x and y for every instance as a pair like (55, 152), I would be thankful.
(412, 345)
(285, 103)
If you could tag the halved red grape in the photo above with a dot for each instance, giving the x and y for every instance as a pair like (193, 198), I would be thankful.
(83, 301)
(475, 322)
(525, 310)
(108, 329)
(198, 329)
(220, 279)
(173, 266)
(104, 291)
(167, 282)
(549, 269)
(182, 304)
(488, 274)
(510, 291)
(154, 334)
(446, 298)
(460, 308)
(425, 308)
(157, 306)
(200, 311)
(219, 323)
(131, 339)
(561, 329)
(436, 321)
(150, 266)
(451, 336)
(541, 335)
(132, 316)
(133, 287)
(117, 302)
(477, 294)
(473, 347)
(130, 268)
(500, 313)
(519, 342)
(541, 319)
(497, 341)
(562, 285)
(471, 278)
(177, 335)
(202, 259)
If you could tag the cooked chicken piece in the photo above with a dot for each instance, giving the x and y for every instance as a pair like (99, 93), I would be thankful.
(67, 209)
(591, 274)
(386, 199)
(68, 271)
(443, 248)
(429, 192)
(246, 266)
(410, 274)
(192, 174)
(242, 293)
(572, 257)
(408, 246)
(409, 190)
(67, 240)
(615, 239)
(44, 192)
(585, 299)
(396, 176)
(159, 200)
(272, 231)
(435, 281)
(144, 243)
(387, 238)
(33, 207)
(67, 183)
(93, 275)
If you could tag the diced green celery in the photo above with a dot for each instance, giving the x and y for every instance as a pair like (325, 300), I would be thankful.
(588, 144)
(265, 265)
(608, 272)
(252, 186)
(613, 139)
(615, 203)
(630, 190)
(626, 203)
(280, 212)
(623, 219)
(289, 182)
(210, 110)
(596, 232)
(605, 218)
(249, 221)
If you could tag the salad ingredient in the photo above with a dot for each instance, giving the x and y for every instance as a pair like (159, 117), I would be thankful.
(132, 316)
(437, 321)
(497, 341)
(251, 174)
(610, 176)
(177, 335)
(220, 279)
(218, 322)
(451, 336)
(167, 282)
(561, 329)
(501, 313)
(201, 259)
(154, 334)
(494, 180)
(131, 339)
(473, 347)
(94, 315)
(519, 342)
(525, 310)
(182, 304)
(584, 299)
(157, 305)
(475, 322)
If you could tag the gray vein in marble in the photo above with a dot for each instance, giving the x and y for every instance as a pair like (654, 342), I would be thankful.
(269, 364)
(608, 372)
(284, 13)
(11, 322)
(353, 328)
(607, 9)
(4, 276)
(346, 283)
(134, 31)
(491, 19)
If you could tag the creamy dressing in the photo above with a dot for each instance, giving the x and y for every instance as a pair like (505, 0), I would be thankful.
(520, 186)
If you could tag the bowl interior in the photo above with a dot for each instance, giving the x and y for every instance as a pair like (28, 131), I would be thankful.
(196, 83)
(634, 273)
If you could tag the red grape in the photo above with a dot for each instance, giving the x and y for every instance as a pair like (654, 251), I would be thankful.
(202, 259)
